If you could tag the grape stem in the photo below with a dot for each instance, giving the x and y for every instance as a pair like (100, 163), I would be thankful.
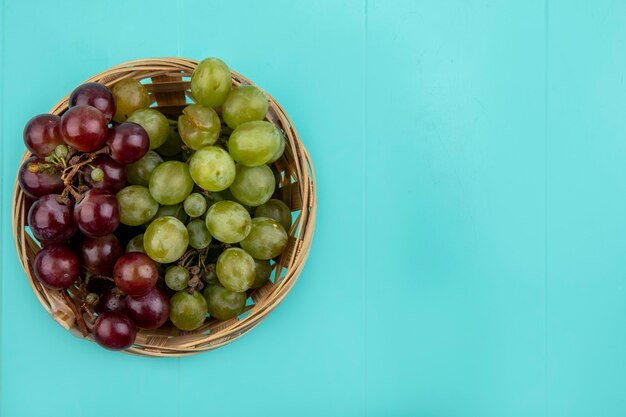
(75, 165)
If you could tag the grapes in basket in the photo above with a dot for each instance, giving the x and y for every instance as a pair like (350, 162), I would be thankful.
(153, 220)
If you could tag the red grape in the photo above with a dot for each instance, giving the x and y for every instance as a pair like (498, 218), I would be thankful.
(135, 273)
(112, 299)
(97, 214)
(57, 266)
(37, 183)
(98, 254)
(148, 311)
(42, 134)
(94, 95)
(114, 174)
(51, 221)
(128, 141)
(114, 331)
(84, 128)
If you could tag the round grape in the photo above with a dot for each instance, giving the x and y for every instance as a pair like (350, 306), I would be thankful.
(148, 311)
(212, 168)
(135, 273)
(277, 210)
(266, 240)
(128, 142)
(199, 237)
(114, 331)
(195, 205)
(51, 221)
(176, 277)
(139, 172)
(136, 205)
(112, 299)
(84, 128)
(224, 304)
(172, 145)
(130, 95)
(166, 239)
(135, 244)
(245, 103)
(228, 222)
(199, 126)
(37, 178)
(99, 254)
(94, 95)
(42, 134)
(113, 174)
(254, 143)
(253, 186)
(170, 182)
(236, 269)
(155, 124)
(57, 266)
(97, 214)
(188, 311)
(211, 82)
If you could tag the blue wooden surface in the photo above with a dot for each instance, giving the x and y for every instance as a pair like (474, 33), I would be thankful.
(471, 170)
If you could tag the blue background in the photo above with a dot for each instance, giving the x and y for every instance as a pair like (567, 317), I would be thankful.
(469, 257)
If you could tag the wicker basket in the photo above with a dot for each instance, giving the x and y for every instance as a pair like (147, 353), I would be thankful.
(167, 80)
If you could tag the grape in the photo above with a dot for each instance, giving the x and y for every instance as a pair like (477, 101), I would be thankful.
(211, 82)
(57, 266)
(245, 103)
(176, 277)
(94, 95)
(84, 128)
(211, 276)
(114, 178)
(199, 126)
(188, 311)
(266, 240)
(155, 124)
(253, 186)
(148, 311)
(263, 272)
(199, 237)
(236, 269)
(195, 205)
(130, 95)
(170, 182)
(212, 168)
(136, 205)
(98, 254)
(42, 134)
(228, 222)
(139, 172)
(222, 303)
(97, 214)
(114, 331)
(277, 210)
(175, 210)
(254, 143)
(36, 180)
(112, 299)
(172, 145)
(166, 239)
(135, 273)
(51, 221)
(280, 151)
(135, 244)
(128, 142)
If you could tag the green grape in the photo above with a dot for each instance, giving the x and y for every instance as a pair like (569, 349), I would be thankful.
(188, 311)
(195, 205)
(236, 269)
(139, 172)
(175, 210)
(135, 244)
(155, 124)
(224, 304)
(166, 239)
(129, 95)
(277, 210)
(172, 145)
(266, 240)
(176, 277)
(280, 151)
(211, 276)
(253, 186)
(199, 237)
(254, 143)
(170, 182)
(136, 205)
(228, 222)
(199, 126)
(263, 273)
(211, 82)
(212, 168)
(244, 104)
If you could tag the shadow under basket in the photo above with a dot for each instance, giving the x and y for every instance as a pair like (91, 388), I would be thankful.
(167, 81)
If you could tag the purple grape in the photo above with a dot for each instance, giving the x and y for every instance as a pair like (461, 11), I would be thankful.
(94, 95)
(42, 134)
(114, 174)
(84, 128)
(97, 214)
(135, 273)
(98, 254)
(57, 266)
(112, 299)
(51, 221)
(114, 331)
(36, 182)
(128, 141)
(148, 311)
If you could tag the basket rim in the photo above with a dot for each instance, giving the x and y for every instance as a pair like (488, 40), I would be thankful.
(226, 331)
